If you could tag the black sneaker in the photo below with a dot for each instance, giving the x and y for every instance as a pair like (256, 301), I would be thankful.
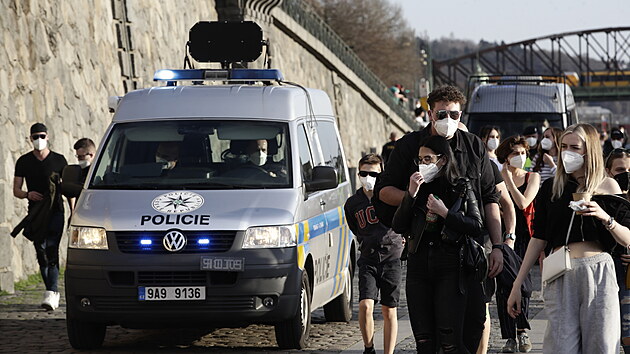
(369, 350)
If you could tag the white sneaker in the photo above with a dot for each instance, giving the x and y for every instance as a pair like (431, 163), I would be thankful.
(51, 300)
(46, 301)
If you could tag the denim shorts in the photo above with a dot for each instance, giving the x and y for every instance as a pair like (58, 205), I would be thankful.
(386, 277)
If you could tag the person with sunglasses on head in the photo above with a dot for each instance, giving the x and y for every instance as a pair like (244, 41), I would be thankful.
(379, 262)
(546, 159)
(41, 168)
(582, 305)
(438, 286)
(523, 187)
(470, 153)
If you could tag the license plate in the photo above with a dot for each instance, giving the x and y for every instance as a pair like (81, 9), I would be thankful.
(161, 293)
(223, 263)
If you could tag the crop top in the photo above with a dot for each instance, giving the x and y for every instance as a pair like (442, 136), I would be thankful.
(552, 218)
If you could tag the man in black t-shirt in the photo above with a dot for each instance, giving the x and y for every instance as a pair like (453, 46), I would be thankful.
(41, 168)
(389, 146)
(379, 263)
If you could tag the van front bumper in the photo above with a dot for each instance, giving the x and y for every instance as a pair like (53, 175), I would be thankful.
(262, 293)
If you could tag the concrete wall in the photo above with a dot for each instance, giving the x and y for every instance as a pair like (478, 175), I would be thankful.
(60, 60)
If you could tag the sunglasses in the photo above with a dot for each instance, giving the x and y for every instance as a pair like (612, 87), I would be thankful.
(426, 159)
(620, 150)
(366, 173)
(442, 113)
(38, 136)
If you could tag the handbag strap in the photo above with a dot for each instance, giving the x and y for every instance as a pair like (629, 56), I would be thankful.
(569, 230)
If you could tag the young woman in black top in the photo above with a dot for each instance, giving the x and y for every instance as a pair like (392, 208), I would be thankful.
(436, 288)
(523, 187)
(582, 305)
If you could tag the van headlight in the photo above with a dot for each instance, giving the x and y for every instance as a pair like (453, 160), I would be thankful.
(269, 237)
(88, 238)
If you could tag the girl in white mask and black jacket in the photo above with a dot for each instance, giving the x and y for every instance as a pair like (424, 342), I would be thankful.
(582, 305)
(437, 288)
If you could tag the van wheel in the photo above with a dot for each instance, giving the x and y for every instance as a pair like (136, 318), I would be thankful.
(85, 335)
(293, 333)
(340, 309)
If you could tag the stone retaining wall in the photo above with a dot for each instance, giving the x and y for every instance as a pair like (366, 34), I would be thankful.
(62, 59)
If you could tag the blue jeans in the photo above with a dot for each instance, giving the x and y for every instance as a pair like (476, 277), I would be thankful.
(48, 251)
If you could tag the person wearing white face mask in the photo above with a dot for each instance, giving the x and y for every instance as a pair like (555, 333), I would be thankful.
(445, 104)
(379, 264)
(616, 141)
(546, 159)
(85, 149)
(523, 187)
(491, 136)
(41, 169)
(582, 304)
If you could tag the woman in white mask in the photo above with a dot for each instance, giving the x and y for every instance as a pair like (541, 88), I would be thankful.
(523, 187)
(437, 287)
(491, 136)
(582, 305)
(546, 159)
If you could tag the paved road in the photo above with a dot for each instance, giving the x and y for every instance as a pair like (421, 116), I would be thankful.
(27, 328)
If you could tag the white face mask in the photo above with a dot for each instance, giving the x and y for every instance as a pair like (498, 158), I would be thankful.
(572, 161)
(531, 141)
(546, 144)
(616, 144)
(446, 127)
(40, 144)
(429, 172)
(258, 158)
(517, 161)
(84, 163)
(492, 144)
(368, 182)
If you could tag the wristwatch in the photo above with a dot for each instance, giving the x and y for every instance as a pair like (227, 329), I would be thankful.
(509, 235)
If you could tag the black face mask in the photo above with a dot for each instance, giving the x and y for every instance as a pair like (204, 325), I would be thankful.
(623, 180)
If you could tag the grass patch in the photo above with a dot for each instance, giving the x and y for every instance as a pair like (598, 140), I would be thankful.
(32, 281)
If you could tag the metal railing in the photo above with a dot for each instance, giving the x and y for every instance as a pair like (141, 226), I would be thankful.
(303, 14)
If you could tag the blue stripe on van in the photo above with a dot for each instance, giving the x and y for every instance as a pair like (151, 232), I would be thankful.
(300, 233)
(317, 226)
(332, 217)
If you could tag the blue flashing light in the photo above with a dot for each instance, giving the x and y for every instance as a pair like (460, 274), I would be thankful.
(145, 242)
(256, 74)
(218, 75)
(203, 241)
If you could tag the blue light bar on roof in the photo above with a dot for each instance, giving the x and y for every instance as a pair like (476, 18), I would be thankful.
(218, 75)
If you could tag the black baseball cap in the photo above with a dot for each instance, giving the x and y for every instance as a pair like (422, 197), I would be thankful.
(616, 134)
(38, 128)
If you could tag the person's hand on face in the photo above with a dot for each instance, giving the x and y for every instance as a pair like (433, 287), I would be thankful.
(415, 180)
(548, 160)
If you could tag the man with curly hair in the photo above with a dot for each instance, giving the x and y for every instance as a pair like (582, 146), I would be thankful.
(445, 109)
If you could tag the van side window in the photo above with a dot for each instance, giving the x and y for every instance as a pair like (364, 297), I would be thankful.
(331, 148)
(305, 154)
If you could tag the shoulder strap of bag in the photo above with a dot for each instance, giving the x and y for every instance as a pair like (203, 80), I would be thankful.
(569, 230)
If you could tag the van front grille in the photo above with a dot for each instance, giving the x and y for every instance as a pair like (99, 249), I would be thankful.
(150, 242)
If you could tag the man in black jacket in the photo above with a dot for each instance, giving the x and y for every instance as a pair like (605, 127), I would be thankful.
(39, 168)
(445, 112)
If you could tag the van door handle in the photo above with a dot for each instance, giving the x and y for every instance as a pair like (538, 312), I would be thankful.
(322, 203)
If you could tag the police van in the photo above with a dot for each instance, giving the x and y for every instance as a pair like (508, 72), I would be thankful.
(217, 205)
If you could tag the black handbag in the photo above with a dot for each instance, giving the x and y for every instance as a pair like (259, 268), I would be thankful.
(473, 259)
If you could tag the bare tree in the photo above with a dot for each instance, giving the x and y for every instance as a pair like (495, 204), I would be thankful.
(378, 33)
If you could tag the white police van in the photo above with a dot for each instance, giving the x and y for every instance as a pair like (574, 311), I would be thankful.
(213, 205)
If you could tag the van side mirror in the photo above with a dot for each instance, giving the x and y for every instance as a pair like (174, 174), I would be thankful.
(324, 177)
(71, 185)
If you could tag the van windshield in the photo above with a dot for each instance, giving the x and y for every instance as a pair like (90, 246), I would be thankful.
(512, 123)
(194, 154)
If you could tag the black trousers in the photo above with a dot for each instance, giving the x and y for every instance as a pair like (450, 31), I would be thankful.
(440, 315)
(509, 324)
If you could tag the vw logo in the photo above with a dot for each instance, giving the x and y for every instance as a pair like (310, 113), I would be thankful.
(174, 241)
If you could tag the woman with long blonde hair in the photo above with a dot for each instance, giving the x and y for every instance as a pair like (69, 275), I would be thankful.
(582, 305)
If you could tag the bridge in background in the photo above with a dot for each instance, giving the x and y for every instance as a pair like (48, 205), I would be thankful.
(599, 59)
